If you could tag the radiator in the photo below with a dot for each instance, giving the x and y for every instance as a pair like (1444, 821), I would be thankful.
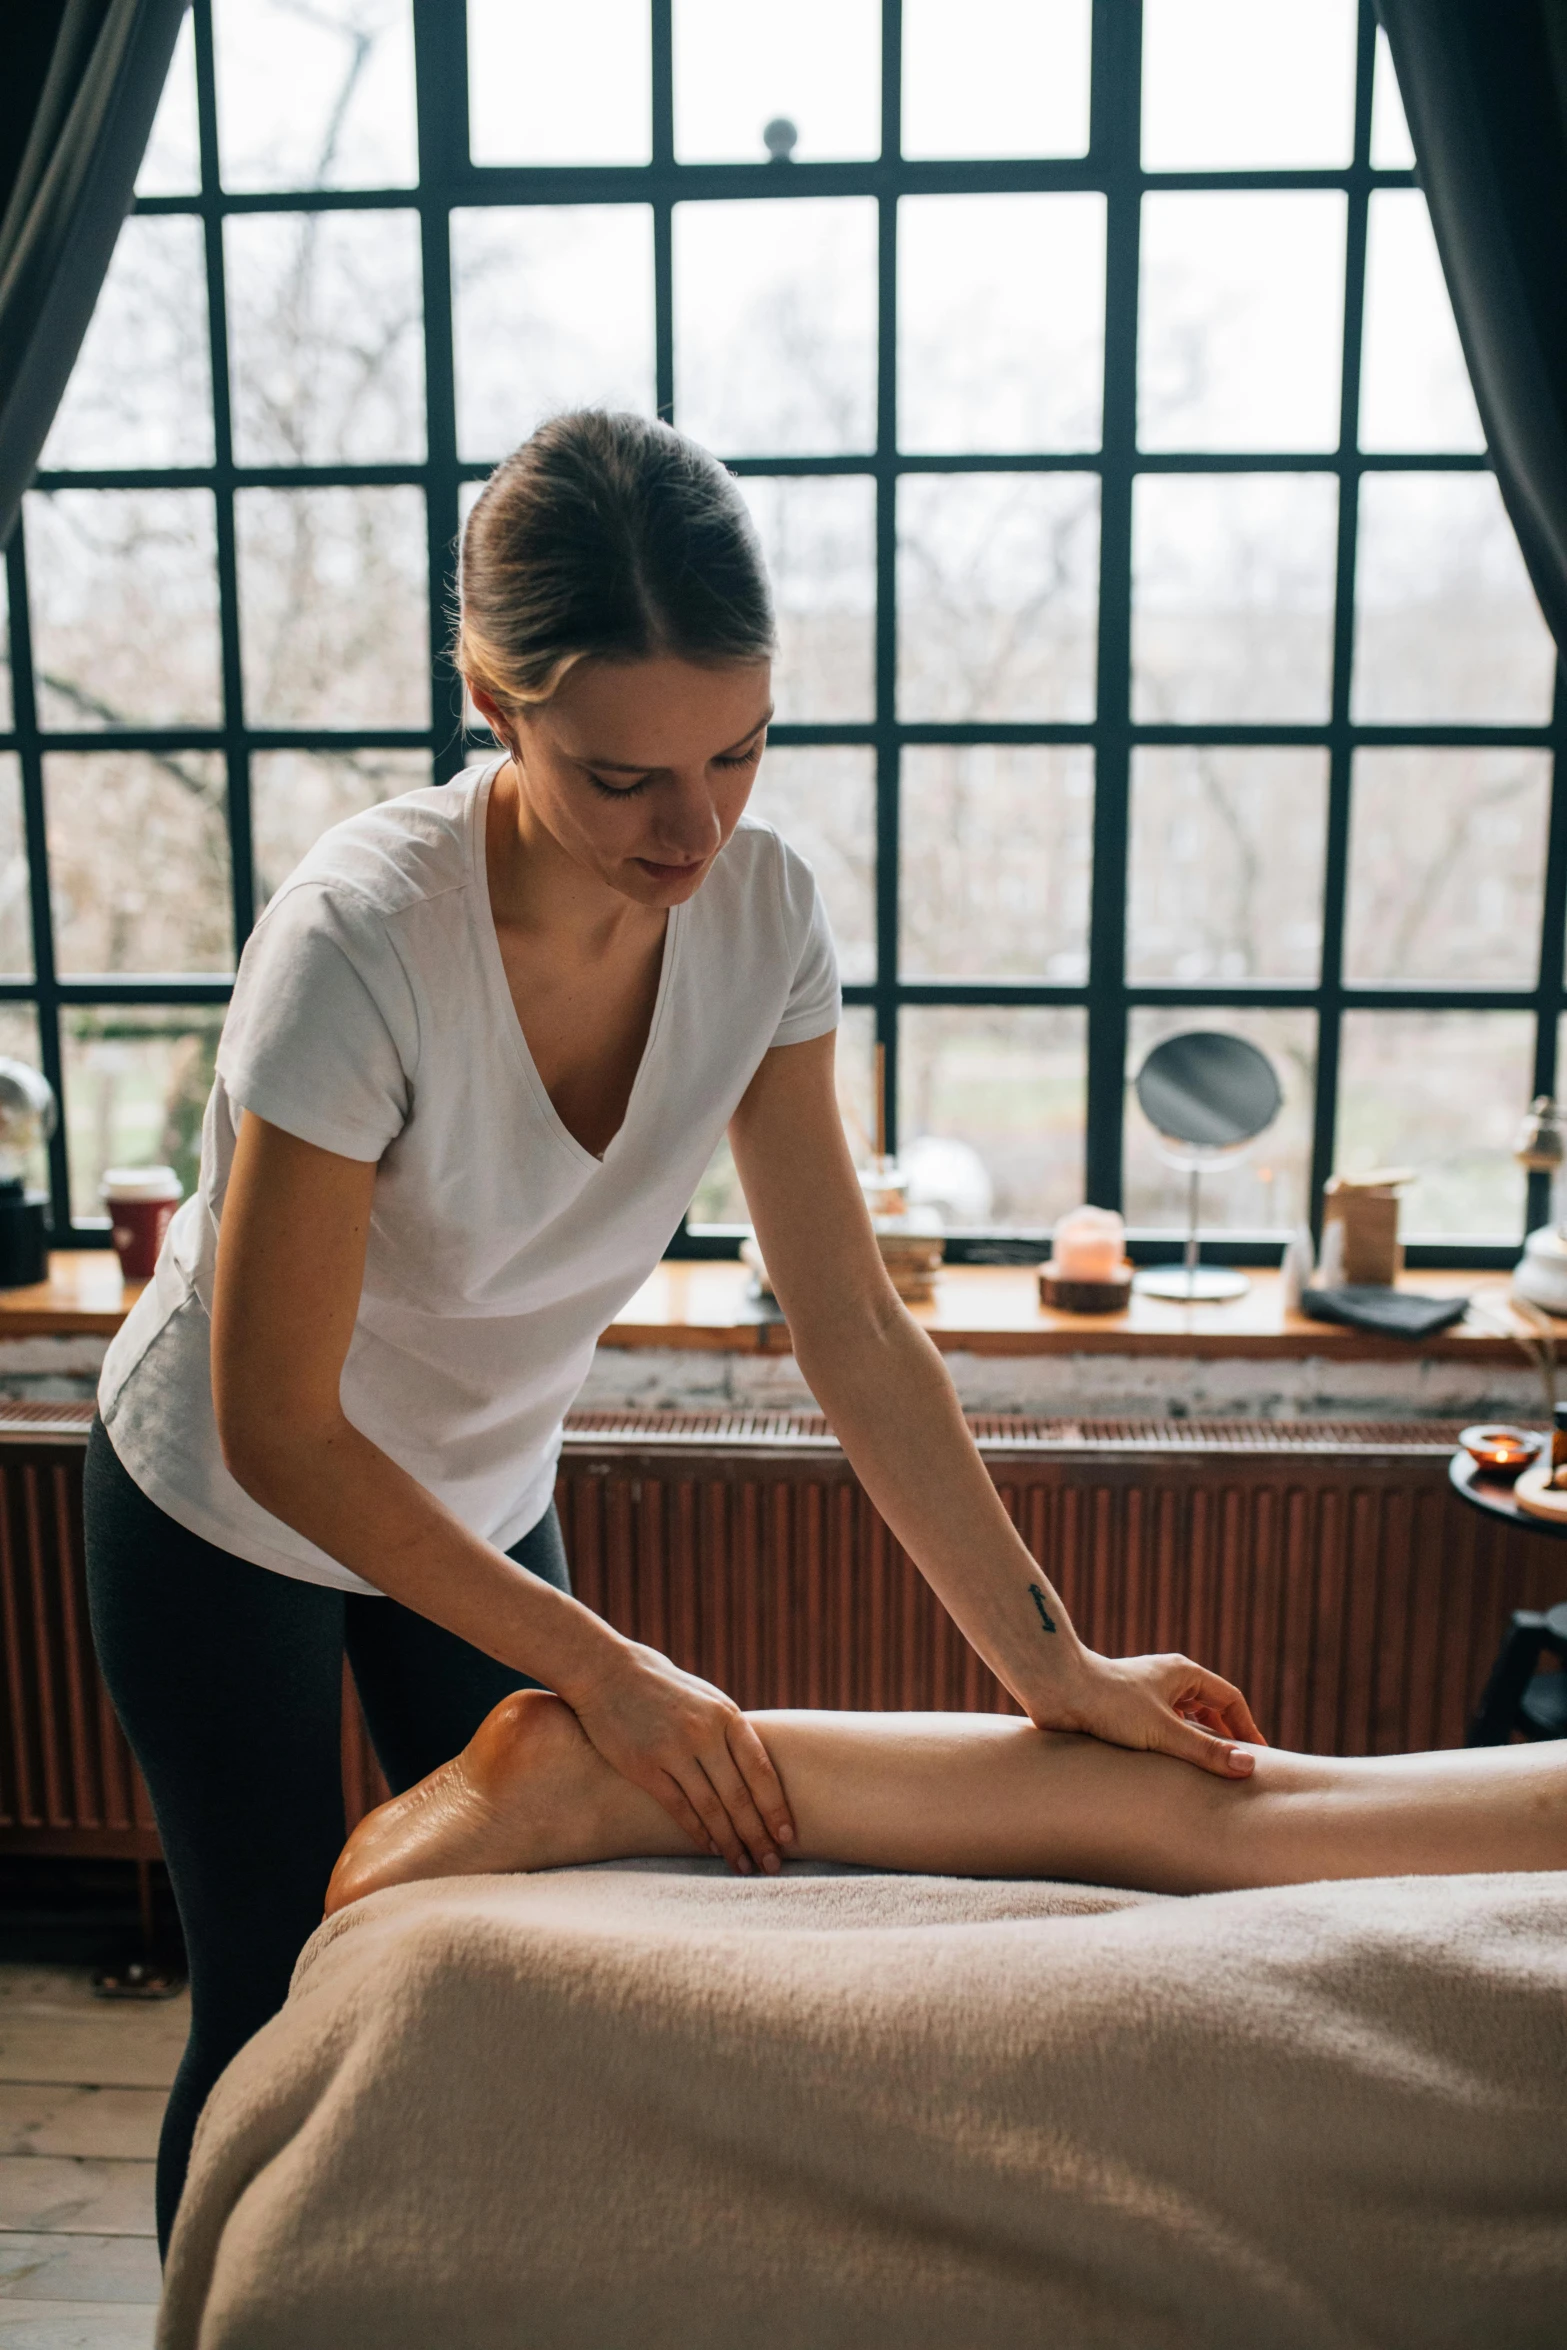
(67, 1781)
(1326, 1569)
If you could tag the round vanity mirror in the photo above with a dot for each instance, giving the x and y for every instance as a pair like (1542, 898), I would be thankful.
(1207, 1096)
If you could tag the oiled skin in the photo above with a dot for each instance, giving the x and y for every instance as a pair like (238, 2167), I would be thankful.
(980, 1795)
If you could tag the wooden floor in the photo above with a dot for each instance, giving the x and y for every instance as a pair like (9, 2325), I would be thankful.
(82, 2087)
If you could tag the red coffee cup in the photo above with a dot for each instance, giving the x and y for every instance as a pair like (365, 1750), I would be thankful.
(141, 1202)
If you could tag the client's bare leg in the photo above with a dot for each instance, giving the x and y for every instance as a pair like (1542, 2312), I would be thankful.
(983, 1795)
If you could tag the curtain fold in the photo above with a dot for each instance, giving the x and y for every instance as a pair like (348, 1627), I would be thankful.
(70, 189)
(1484, 84)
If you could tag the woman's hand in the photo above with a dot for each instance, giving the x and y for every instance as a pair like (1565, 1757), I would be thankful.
(691, 1748)
(1164, 1704)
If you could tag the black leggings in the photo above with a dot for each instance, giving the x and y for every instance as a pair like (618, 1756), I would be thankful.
(228, 1681)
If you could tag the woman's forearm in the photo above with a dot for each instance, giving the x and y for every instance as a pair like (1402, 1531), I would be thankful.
(290, 1274)
(341, 1492)
(886, 1392)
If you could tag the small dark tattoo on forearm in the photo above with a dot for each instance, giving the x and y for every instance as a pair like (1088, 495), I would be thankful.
(1045, 1617)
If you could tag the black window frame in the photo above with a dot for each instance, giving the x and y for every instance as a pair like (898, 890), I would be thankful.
(448, 180)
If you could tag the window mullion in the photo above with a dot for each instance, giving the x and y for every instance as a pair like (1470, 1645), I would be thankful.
(1553, 938)
(1117, 80)
(1335, 878)
(242, 882)
(35, 833)
(663, 96)
(888, 780)
(441, 100)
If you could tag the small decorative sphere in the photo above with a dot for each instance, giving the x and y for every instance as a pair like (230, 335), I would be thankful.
(779, 138)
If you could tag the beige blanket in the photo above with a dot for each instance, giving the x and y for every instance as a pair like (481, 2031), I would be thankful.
(643, 2110)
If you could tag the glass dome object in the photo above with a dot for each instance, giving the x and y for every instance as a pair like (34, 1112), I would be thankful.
(28, 1117)
(1540, 1275)
(1207, 1095)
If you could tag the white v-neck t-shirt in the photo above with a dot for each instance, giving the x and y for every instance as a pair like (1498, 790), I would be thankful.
(372, 1017)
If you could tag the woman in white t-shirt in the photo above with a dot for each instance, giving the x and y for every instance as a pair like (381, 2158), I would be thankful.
(481, 1047)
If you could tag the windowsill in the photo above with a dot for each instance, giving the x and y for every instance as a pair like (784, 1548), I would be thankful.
(85, 1296)
(995, 1310)
(978, 1309)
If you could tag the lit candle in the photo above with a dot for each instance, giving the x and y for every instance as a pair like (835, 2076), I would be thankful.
(1089, 1245)
(1502, 1451)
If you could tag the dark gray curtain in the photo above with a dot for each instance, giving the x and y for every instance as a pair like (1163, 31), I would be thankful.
(1484, 84)
(78, 112)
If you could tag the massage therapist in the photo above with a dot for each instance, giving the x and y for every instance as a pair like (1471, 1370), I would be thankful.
(482, 1046)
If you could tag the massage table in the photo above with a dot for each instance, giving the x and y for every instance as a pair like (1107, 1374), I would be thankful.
(653, 2107)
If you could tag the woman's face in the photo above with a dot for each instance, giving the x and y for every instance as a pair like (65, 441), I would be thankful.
(640, 770)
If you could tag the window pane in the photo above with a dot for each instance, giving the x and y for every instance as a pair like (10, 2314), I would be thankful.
(1447, 867)
(527, 343)
(991, 1107)
(171, 165)
(1268, 1190)
(1015, 83)
(997, 851)
(478, 741)
(1441, 1092)
(824, 804)
(295, 796)
(333, 607)
(16, 927)
(315, 93)
(124, 593)
(775, 325)
(997, 594)
(1414, 386)
(1446, 625)
(719, 1199)
(1226, 864)
(139, 861)
(326, 337)
(7, 718)
(141, 391)
(818, 62)
(1231, 86)
(856, 1078)
(19, 1042)
(548, 84)
(1242, 321)
(1391, 146)
(1000, 322)
(137, 1079)
(1232, 597)
(819, 538)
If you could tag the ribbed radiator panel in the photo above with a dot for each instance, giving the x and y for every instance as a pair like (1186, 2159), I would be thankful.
(67, 1781)
(1330, 1572)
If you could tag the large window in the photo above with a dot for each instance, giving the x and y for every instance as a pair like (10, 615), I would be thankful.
(1155, 648)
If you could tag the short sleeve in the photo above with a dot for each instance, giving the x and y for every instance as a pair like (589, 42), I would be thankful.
(321, 1038)
(815, 1000)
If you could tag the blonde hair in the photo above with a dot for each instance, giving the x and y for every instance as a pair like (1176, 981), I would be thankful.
(606, 536)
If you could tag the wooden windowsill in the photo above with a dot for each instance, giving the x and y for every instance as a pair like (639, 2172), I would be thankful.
(85, 1296)
(978, 1309)
(995, 1310)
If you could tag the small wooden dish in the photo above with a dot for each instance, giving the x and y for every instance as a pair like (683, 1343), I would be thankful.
(1535, 1493)
(1084, 1297)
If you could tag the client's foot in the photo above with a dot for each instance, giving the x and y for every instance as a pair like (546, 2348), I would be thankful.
(528, 1791)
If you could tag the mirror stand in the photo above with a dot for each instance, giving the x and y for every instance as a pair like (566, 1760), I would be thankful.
(1191, 1283)
(1207, 1096)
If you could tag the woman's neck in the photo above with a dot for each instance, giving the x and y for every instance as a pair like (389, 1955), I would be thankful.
(537, 889)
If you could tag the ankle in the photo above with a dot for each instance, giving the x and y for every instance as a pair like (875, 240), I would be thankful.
(527, 1730)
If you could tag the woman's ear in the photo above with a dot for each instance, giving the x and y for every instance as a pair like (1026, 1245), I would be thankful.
(493, 715)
